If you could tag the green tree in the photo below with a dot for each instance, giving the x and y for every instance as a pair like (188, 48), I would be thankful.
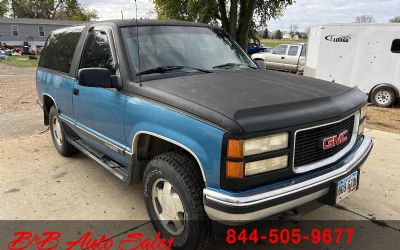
(395, 20)
(278, 34)
(237, 17)
(265, 33)
(51, 9)
(3, 7)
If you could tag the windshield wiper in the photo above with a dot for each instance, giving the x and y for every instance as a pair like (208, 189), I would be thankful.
(231, 65)
(163, 69)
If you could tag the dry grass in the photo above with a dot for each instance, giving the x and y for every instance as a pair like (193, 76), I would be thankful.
(20, 61)
(386, 119)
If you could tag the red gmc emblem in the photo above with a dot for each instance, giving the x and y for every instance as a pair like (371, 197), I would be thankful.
(333, 141)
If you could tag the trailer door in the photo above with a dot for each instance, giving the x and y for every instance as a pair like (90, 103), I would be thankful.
(337, 47)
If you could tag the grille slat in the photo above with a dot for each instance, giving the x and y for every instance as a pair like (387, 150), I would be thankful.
(309, 142)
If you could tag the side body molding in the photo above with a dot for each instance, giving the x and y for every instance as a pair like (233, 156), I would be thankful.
(203, 141)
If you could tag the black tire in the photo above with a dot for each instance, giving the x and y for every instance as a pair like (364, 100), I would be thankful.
(383, 97)
(182, 173)
(58, 135)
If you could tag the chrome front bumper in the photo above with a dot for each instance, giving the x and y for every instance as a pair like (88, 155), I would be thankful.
(239, 208)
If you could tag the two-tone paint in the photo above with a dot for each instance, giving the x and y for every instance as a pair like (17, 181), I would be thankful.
(109, 119)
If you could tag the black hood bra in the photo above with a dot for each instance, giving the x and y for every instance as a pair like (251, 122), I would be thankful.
(248, 101)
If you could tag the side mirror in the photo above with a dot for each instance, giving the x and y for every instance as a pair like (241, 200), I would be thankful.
(97, 77)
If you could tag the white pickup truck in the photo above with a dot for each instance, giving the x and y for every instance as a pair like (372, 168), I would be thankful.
(287, 57)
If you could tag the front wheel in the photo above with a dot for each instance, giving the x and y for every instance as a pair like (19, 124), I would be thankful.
(383, 96)
(173, 191)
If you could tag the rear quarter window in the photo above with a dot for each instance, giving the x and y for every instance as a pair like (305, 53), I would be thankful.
(59, 49)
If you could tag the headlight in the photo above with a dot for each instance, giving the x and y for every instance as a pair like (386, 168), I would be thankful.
(363, 112)
(267, 165)
(265, 144)
(239, 148)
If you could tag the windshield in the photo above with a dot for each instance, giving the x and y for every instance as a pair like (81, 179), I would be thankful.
(203, 48)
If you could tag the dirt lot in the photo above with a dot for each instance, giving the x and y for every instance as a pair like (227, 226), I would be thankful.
(386, 119)
(37, 183)
(17, 89)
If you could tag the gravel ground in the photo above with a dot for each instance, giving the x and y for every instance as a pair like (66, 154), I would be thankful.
(17, 89)
(385, 119)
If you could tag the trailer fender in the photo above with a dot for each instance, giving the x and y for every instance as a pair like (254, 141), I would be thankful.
(396, 91)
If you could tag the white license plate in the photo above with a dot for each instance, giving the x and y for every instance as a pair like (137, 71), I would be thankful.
(346, 186)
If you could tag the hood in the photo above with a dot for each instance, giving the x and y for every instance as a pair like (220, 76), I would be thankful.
(247, 101)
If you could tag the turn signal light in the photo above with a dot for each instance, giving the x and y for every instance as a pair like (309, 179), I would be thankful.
(235, 148)
(234, 170)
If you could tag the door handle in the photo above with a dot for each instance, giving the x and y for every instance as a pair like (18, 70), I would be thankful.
(75, 91)
(282, 57)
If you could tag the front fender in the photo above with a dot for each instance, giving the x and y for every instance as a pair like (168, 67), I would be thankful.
(199, 138)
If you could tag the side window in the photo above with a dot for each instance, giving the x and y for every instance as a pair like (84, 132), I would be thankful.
(59, 50)
(280, 50)
(14, 30)
(97, 52)
(396, 46)
(293, 50)
(41, 31)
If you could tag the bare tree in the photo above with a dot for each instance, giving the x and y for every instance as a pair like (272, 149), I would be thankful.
(293, 30)
(364, 19)
(395, 20)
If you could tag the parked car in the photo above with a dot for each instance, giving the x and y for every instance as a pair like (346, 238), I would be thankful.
(6, 46)
(212, 137)
(3, 54)
(8, 52)
(256, 48)
(348, 54)
(286, 57)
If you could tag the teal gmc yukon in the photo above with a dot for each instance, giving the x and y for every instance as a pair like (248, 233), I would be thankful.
(181, 108)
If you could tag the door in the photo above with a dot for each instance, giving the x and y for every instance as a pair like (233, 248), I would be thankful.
(99, 112)
(292, 58)
(276, 57)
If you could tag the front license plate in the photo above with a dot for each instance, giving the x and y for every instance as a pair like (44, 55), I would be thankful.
(346, 186)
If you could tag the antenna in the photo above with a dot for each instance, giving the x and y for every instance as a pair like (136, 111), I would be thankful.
(137, 41)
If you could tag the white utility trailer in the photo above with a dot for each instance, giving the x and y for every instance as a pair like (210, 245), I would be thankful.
(362, 55)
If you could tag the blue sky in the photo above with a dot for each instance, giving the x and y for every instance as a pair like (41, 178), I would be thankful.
(303, 13)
